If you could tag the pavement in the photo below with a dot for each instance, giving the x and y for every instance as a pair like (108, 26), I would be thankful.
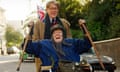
(9, 63)
(9, 58)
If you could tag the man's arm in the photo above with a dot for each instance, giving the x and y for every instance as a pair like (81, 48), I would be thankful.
(38, 31)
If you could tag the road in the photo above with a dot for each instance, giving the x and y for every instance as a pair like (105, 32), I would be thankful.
(9, 63)
(9, 58)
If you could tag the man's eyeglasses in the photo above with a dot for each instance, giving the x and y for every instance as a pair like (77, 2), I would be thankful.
(53, 8)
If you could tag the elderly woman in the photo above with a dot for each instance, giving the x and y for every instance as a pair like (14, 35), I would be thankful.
(58, 48)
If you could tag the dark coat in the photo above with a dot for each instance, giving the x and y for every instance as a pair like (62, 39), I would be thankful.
(45, 50)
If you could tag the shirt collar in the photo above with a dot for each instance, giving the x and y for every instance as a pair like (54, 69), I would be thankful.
(51, 19)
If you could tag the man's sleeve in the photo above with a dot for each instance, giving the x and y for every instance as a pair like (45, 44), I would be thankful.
(38, 31)
(67, 27)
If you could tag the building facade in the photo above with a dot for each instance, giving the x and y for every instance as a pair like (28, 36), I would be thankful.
(2, 32)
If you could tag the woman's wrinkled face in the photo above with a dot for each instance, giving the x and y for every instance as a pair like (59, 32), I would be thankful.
(57, 36)
(52, 10)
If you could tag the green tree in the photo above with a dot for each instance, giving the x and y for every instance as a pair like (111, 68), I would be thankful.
(105, 15)
(12, 37)
(98, 16)
(102, 17)
(70, 10)
(114, 30)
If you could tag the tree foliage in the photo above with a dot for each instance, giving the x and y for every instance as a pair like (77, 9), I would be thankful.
(102, 16)
(70, 9)
(12, 37)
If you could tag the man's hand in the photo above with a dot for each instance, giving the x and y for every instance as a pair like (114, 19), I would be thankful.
(81, 21)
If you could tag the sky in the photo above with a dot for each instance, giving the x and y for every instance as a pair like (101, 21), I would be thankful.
(18, 9)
